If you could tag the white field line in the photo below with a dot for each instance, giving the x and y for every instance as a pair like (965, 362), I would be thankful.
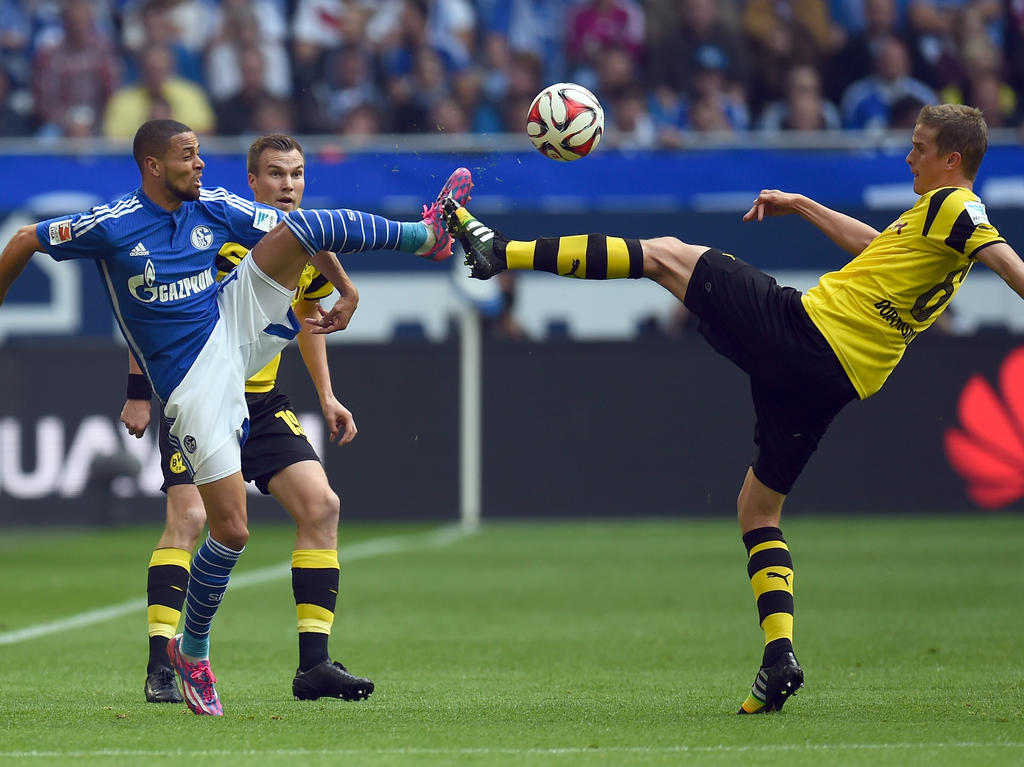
(823, 748)
(373, 547)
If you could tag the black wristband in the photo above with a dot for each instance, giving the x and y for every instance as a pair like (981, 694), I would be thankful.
(138, 387)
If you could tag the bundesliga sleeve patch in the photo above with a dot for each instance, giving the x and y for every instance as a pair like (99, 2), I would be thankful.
(60, 231)
(265, 219)
(976, 211)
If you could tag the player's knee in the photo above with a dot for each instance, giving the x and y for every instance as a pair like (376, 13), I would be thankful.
(230, 530)
(186, 517)
(316, 503)
(190, 525)
(666, 257)
(317, 519)
(758, 506)
(286, 232)
(234, 536)
(325, 510)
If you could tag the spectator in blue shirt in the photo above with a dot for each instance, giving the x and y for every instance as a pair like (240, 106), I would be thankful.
(867, 102)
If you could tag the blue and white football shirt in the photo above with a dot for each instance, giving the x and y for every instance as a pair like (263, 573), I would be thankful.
(158, 267)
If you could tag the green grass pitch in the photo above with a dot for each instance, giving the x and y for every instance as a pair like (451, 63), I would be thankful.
(583, 643)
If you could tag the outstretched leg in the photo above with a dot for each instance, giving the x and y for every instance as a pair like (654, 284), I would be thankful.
(284, 251)
(665, 260)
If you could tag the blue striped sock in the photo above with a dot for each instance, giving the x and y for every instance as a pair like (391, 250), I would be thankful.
(352, 231)
(208, 580)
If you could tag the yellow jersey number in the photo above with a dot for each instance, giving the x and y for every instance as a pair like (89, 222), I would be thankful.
(292, 422)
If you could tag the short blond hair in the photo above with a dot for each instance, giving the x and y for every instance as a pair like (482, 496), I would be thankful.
(958, 128)
(280, 141)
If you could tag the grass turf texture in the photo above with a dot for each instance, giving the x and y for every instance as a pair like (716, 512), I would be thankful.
(544, 644)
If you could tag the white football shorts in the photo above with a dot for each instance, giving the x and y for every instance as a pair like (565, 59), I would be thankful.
(208, 416)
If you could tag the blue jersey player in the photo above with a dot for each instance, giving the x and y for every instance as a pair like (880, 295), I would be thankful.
(277, 458)
(198, 340)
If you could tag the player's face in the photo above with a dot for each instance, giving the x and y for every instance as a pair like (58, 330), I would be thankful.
(183, 167)
(280, 179)
(930, 169)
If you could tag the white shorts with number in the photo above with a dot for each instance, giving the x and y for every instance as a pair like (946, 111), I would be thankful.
(208, 416)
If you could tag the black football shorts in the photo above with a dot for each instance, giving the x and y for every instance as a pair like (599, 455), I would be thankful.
(797, 383)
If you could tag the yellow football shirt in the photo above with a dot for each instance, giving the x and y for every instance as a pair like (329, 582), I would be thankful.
(313, 286)
(901, 282)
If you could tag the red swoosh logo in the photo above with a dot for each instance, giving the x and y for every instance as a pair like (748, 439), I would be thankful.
(988, 449)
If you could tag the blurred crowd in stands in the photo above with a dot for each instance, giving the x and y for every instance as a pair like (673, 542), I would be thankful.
(663, 69)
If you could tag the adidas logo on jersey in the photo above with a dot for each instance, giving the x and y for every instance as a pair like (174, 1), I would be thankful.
(139, 250)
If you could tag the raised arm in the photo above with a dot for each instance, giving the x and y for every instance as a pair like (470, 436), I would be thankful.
(16, 255)
(1004, 261)
(847, 232)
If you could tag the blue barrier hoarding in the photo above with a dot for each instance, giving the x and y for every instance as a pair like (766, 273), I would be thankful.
(608, 180)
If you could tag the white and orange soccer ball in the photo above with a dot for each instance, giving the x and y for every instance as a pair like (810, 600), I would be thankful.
(565, 122)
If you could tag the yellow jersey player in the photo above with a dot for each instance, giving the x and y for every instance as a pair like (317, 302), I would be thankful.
(807, 355)
(276, 456)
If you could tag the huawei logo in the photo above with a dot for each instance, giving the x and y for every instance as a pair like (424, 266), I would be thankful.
(988, 449)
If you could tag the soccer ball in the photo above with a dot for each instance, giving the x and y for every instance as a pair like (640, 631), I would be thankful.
(565, 122)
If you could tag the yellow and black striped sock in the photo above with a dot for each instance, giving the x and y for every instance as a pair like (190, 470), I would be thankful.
(315, 575)
(166, 585)
(770, 568)
(584, 256)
